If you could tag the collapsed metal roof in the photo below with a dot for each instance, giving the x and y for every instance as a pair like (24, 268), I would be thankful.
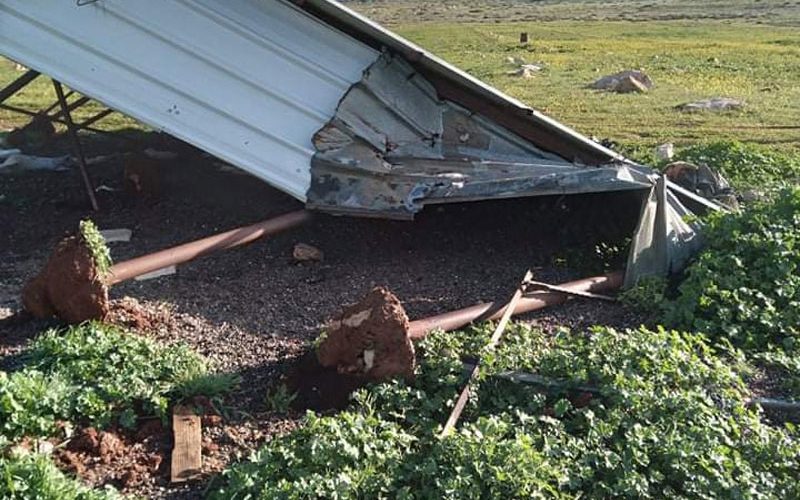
(321, 103)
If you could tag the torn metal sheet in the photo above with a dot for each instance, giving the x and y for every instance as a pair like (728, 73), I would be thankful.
(394, 146)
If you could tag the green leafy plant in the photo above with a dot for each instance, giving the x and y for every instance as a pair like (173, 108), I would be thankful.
(666, 416)
(648, 296)
(29, 476)
(745, 286)
(97, 246)
(280, 398)
(745, 165)
(351, 455)
(93, 374)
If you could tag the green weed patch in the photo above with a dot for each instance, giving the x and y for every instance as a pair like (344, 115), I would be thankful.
(95, 374)
(30, 476)
(667, 418)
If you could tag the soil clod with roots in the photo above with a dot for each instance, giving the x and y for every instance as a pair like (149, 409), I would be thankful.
(69, 286)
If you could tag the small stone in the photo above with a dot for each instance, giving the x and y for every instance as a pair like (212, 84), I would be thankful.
(304, 253)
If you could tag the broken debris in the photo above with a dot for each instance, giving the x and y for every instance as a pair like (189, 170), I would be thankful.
(15, 163)
(116, 235)
(69, 286)
(702, 180)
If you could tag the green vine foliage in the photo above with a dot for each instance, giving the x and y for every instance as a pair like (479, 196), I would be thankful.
(745, 286)
(666, 417)
(29, 476)
(97, 246)
(97, 375)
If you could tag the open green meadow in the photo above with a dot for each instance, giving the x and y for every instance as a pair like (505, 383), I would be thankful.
(687, 61)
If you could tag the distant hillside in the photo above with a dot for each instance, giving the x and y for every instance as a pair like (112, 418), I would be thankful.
(393, 12)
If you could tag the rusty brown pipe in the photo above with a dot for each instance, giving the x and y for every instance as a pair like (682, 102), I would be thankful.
(138, 266)
(531, 302)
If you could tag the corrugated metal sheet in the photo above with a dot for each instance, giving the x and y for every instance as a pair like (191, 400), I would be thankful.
(460, 87)
(249, 81)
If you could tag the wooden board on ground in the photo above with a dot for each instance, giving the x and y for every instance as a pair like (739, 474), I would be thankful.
(187, 457)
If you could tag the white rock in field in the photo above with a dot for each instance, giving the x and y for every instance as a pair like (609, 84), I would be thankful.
(714, 104)
(624, 81)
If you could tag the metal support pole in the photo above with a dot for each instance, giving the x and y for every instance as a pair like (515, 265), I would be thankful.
(18, 84)
(138, 266)
(76, 142)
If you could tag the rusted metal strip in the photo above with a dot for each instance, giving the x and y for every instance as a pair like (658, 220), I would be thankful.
(458, 409)
(76, 142)
(18, 84)
(530, 302)
(123, 271)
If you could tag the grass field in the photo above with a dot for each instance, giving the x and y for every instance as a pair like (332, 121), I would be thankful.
(689, 59)
(392, 13)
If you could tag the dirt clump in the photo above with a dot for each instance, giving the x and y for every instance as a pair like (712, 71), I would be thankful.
(120, 458)
(69, 286)
(370, 339)
(130, 313)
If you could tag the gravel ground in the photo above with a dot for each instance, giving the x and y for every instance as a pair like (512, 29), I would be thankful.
(254, 310)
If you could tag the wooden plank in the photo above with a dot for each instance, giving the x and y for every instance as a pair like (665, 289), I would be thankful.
(458, 409)
(187, 459)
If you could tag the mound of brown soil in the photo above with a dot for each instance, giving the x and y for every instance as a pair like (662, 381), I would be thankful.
(370, 339)
(69, 286)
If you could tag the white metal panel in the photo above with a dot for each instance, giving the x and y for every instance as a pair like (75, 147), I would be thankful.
(249, 81)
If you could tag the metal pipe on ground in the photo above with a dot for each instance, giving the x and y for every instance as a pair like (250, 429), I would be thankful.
(374, 338)
(180, 254)
(71, 287)
(528, 303)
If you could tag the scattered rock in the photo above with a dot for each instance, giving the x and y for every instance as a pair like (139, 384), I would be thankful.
(715, 104)
(158, 273)
(87, 441)
(110, 447)
(304, 253)
(624, 82)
